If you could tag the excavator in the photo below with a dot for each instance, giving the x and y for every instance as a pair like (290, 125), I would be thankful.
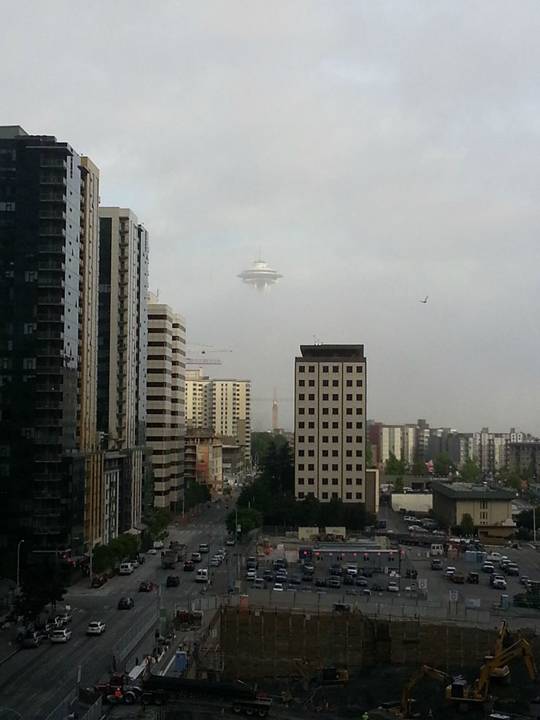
(457, 689)
(477, 693)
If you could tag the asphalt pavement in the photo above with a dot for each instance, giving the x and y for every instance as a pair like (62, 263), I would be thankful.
(34, 681)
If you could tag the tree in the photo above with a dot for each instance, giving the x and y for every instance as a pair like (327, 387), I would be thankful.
(393, 466)
(419, 465)
(43, 583)
(157, 520)
(467, 524)
(248, 519)
(470, 471)
(195, 494)
(398, 485)
(442, 465)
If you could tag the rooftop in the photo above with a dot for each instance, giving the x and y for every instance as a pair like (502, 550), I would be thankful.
(332, 352)
(470, 491)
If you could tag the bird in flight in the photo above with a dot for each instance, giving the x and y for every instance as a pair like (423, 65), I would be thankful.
(424, 301)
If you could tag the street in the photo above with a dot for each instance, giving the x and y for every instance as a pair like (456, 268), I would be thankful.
(34, 681)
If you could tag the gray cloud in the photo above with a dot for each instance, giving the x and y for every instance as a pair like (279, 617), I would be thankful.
(373, 152)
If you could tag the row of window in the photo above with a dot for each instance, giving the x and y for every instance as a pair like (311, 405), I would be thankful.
(335, 467)
(326, 438)
(325, 453)
(335, 383)
(335, 495)
(326, 368)
(335, 411)
(326, 397)
(325, 425)
(325, 481)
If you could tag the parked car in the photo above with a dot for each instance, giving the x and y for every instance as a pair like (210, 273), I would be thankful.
(336, 570)
(98, 581)
(230, 541)
(268, 575)
(189, 566)
(377, 587)
(498, 582)
(278, 587)
(172, 581)
(126, 603)
(450, 570)
(348, 579)
(146, 586)
(473, 578)
(524, 580)
(488, 567)
(95, 627)
(512, 569)
(259, 584)
(32, 639)
(320, 582)
(64, 618)
(458, 578)
(436, 564)
(308, 569)
(494, 556)
(352, 570)
(361, 581)
(393, 586)
(251, 574)
(60, 636)
(334, 582)
(216, 561)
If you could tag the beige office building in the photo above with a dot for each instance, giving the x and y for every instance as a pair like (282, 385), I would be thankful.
(223, 406)
(165, 426)
(330, 422)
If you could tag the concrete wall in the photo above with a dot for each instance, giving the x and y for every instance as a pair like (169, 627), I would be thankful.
(272, 643)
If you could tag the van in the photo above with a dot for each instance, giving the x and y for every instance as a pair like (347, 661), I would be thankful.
(436, 550)
(126, 568)
(202, 575)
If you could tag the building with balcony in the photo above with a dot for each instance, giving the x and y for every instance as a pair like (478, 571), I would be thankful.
(122, 352)
(48, 306)
(165, 389)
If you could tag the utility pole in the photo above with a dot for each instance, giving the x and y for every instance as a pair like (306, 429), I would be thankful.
(534, 523)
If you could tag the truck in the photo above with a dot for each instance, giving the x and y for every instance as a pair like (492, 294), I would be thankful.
(169, 558)
(161, 690)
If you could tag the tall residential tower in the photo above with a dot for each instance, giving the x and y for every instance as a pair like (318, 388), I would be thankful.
(330, 417)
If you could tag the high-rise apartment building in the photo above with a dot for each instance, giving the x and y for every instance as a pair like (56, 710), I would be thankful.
(330, 417)
(165, 426)
(222, 405)
(48, 245)
(122, 352)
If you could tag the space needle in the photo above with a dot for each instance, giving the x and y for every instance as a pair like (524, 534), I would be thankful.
(260, 275)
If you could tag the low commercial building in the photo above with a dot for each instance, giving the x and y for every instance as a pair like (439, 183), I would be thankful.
(487, 506)
(204, 460)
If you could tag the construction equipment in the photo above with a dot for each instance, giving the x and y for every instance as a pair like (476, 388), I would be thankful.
(406, 705)
(477, 692)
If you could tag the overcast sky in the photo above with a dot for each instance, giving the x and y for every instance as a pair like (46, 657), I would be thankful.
(373, 152)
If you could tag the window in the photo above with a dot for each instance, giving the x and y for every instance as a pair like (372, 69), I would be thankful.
(301, 453)
(359, 467)
(301, 396)
(358, 425)
(311, 467)
(335, 481)
(349, 383)
(348, 467)
(358, 453)
(325, 453)
(348, 481)
(358, 495)
(301, 438)
(335, 397)
(311, 425)
(300, 481)
(311, 481)
(335, 453)
(349, 368)
(334, 495)
(335, 438)
(325, 383)
(335, 411)
(348, 411)
(29, 328)
(30, 275)
(348, 439)
(325, 368)
(334, 467)
(348, 496)
(335, 425)
(311, 438)
(325, 411)
(29, 363)
(348, 453)
(311, 411)
(335, 368)
(301, 411)
(359, 411)
(358, 383)
(311, 396)
(301, 494)
(301, 368)
(335, 383)
(325, 396)
(301, 383)
(358, 368)
(325, 438)
(301, 466)
(324, 481)
(358, 438)
(325, 496)
(324, 466)
(359, 396)
(311, 368)
(483, 504)
(325, 424)
(311, 383)
(301, 424)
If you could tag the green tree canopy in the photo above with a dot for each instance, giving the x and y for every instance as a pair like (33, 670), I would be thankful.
(248, 519)
(467, 524)
(393, 466)
(442, 465)
(470, 471)
(398, 485)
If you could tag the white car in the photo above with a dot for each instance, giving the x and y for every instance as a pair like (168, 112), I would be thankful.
(278, 587)
(499, 583)
(450, 571)
(251, 575)
(393, 586)
(215, 561)
(60, 636)
(95, 627)
(494, 556)
(352, 570)
(152, 551)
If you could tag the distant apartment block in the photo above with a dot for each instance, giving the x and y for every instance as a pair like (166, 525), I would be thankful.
(524, 457)
(122, 352)
(222, 405)
(166, 402)
(204, 459)
(330, 416)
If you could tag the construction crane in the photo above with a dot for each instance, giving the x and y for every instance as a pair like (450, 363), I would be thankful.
(207, 349)
(406, 705)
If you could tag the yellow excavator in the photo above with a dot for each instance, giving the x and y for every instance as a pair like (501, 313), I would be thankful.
(407, 702)
(477, 693)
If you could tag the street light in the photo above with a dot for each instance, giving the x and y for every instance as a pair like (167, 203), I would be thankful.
(19, 563)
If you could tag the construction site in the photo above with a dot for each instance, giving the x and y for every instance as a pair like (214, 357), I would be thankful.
(342, 663)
